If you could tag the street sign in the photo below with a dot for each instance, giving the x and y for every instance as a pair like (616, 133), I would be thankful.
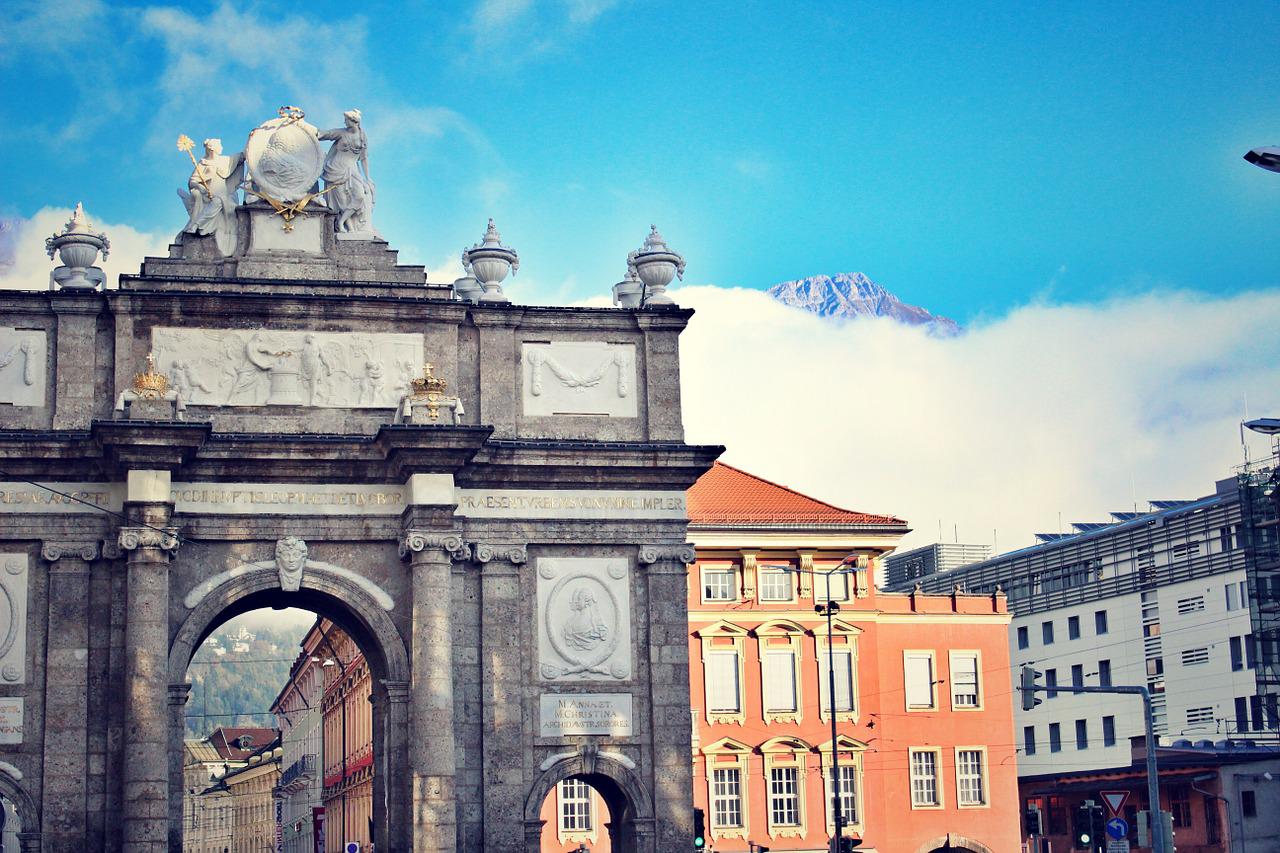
(1117, 845)
(1115, 801)
(1117, 828)
(352, 847)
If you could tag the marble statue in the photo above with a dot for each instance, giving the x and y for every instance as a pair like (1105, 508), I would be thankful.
(210, 197)
(291, 559)
(346, 170)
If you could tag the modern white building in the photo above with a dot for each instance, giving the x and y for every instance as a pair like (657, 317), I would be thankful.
(902, 570)
(1161, 599)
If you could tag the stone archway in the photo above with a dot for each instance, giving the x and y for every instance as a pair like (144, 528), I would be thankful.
(28, 814)
(612, 775)
(360, 609)
(951, 841)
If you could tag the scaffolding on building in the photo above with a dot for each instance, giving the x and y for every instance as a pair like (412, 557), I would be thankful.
(1260, 539)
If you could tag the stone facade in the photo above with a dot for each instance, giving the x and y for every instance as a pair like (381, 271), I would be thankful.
(287, 482)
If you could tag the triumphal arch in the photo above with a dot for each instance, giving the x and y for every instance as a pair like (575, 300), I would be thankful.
(488, 497)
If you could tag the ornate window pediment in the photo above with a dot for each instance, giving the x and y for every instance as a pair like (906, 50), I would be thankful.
(785, 760)
(781, 647)
(723, 650)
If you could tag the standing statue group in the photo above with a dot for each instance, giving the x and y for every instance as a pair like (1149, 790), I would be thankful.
(284, 165)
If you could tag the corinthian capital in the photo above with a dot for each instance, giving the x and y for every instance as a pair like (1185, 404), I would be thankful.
(166, 539)
(54, 550)
(650, 554)
(422, 540)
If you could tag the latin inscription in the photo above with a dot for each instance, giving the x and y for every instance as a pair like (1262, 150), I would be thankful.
(11, 721)
(533, 503)
(585, 714)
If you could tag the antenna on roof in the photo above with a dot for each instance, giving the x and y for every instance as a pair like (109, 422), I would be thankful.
(955, 530)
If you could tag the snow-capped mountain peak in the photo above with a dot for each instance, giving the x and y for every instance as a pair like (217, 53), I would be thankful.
(850, 295)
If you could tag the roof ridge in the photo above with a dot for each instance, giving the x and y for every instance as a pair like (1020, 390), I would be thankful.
(802, 494)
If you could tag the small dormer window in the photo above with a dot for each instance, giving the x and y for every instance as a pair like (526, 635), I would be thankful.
(244, 742)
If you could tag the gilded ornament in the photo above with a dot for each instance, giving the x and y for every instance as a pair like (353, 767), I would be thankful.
(150, 385)
(430, 388)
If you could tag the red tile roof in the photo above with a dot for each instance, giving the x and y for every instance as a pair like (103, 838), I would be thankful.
(727, 495)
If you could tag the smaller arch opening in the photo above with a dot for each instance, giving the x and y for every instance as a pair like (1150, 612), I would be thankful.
(579, 810)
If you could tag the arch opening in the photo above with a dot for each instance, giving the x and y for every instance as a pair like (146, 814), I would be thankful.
(623, 822)
(337, 754)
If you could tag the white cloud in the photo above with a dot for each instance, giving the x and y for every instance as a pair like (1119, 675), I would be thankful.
(30, 264)
(1050, 409)
(515, 31)
(233, 61)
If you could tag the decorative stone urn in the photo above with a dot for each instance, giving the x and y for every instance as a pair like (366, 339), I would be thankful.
(656, 264)
(628, 292)
(490, 261)
(78, 246)
(467, 288)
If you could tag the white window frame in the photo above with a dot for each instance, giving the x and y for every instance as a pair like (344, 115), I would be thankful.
(769, 573)
(979, 694)
(786, 753)
(719, 569)
(566, 797)
(845, 637)
(780, 638)
(983, 778)
(728, 754)
(850, 757)
(920, 654)
(723, 637)
(939, 796)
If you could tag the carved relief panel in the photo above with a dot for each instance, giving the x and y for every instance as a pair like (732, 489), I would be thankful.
(22, 366)
(579, 378)
(584, 618)
(13, 618)
(267, 367)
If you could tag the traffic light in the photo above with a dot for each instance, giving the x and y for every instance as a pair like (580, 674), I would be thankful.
(757, 848)
(847, 845)
(1082, 827)
(699, 829)
(1029, 687)
(1033, 821)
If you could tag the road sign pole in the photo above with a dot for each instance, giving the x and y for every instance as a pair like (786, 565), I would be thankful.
(1153, 778)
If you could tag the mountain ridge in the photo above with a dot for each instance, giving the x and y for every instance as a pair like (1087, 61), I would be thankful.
(853, 295)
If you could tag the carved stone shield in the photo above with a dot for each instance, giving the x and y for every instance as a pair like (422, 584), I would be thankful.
(283, 157)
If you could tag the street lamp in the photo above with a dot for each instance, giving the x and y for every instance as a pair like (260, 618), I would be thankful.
(1265, 158)
(829, 609)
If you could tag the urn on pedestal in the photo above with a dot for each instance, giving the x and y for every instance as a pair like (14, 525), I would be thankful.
(490, 261)
(467, 288)
(656, 264)
(628, 292)
(78, 246)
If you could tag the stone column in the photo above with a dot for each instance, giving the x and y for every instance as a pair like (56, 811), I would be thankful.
(502, 670)
(431, 753)
(391, 730)
(178, 695)
(666, 574)
(66, 740)
(146, 672)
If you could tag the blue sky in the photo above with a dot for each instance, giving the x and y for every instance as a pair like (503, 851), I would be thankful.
(970, 157)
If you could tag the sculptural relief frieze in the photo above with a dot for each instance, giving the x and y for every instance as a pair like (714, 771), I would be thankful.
(579, 378)
(246, 367)
(584, 619)
(13, 618)
(22, 366)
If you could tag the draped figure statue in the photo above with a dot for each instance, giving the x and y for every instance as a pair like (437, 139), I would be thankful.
(210, 197)
(346, 170)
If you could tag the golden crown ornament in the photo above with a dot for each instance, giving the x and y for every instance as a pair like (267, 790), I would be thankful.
(150, 385)
(430, 388)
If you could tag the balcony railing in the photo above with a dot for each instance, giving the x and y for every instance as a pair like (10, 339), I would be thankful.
(300, 772)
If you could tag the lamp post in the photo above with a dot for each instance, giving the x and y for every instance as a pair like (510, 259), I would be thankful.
(829, 609)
